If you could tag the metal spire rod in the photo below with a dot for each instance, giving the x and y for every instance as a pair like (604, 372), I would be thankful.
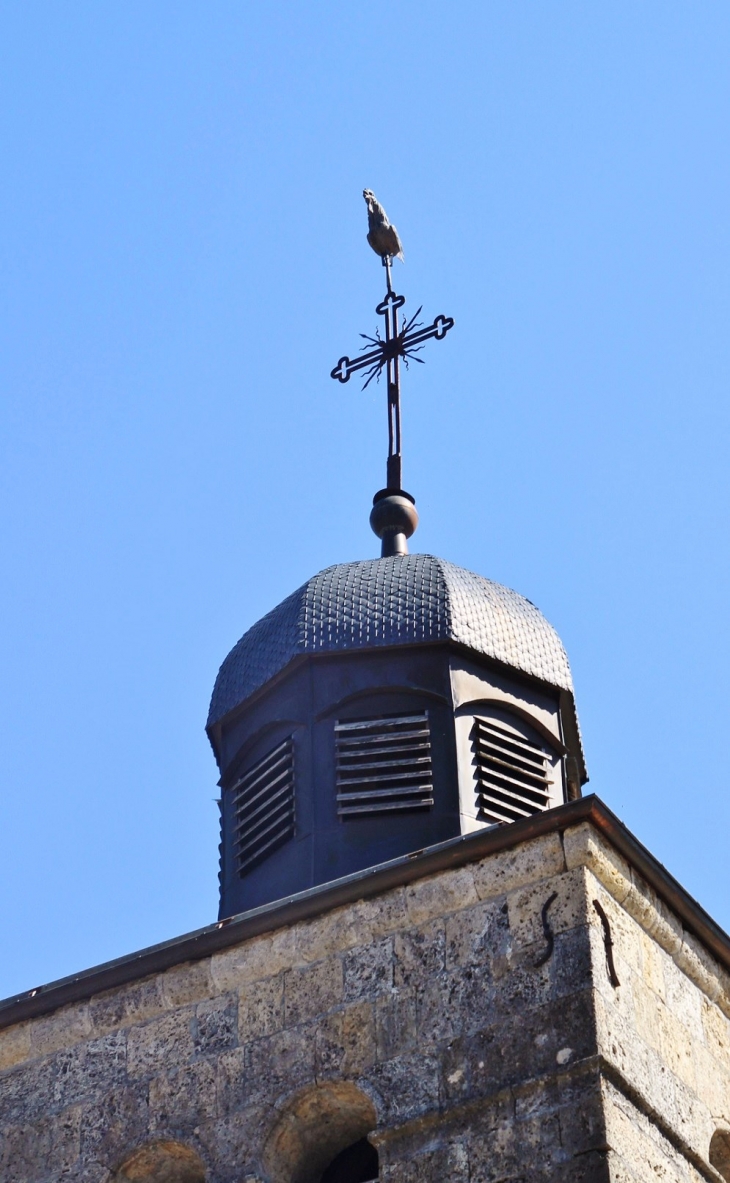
(385, 353)
(394, 516)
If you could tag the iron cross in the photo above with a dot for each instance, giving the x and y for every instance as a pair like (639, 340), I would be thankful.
(385, 353)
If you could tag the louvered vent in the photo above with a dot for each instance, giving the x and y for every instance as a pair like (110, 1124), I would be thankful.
(264, 806)
(384, 765)
(512, 773)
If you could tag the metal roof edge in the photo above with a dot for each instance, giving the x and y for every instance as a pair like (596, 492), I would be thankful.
(374, 881)
(452, 643)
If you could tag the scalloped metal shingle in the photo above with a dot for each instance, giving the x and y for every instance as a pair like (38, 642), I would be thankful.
(395, 601)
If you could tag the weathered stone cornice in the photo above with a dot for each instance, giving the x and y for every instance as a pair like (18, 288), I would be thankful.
(620, 862)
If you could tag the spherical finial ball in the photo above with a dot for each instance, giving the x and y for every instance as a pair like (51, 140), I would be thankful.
(393, 513)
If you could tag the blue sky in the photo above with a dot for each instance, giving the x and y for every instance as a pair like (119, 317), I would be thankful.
(183, 261)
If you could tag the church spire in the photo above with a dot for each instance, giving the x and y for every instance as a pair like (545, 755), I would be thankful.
(393, 517)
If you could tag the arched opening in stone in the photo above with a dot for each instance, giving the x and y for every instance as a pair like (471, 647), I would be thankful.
(720, 1153)
(314, 1130)
(355, 1164)
(162, 1162)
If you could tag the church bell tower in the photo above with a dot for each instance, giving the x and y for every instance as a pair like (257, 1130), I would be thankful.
(435, 960)
(389, 704)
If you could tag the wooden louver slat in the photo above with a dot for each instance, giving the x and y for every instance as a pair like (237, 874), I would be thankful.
(264, 806)
(383, 765)
(513, 774)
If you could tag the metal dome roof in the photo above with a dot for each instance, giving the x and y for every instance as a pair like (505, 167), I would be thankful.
(402, 600)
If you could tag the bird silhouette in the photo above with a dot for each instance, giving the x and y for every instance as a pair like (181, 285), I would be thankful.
(382, 236)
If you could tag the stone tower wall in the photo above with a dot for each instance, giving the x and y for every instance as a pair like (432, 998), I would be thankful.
(663, 1035)
(466, 1020)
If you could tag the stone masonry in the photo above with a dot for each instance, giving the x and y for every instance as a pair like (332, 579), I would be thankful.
(468, 1021)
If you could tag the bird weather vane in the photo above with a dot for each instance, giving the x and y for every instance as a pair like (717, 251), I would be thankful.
(400, 342)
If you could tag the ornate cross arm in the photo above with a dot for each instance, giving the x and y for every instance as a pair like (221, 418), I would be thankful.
(399, 342)
(404, 344)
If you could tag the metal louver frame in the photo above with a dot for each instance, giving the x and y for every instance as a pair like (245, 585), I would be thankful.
(513, 774)
(383, 765)
(263, 802)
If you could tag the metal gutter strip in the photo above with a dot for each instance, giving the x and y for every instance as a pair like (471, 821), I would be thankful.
(455, 852)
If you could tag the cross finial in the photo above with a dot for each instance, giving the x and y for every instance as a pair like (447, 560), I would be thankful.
(394, 516)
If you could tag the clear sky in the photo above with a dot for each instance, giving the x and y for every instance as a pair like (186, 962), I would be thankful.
(183, 261)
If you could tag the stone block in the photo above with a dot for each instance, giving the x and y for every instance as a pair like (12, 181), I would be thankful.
(233, 1087)
(261, 957)
(652, 1079)
(62, 1029)
(667, 931)
(479, 937)
(14, 1045)
(638, 1141)
(281, 1063)
(569, 908)
(126, 1005)
(496, 1156)
(395, 1023)
(684, 1000)
(190, 982)
(594, 1167)
(345, 1045)
(229, 1143)
(572, 965)
(183, 1098)
(344, 928)
(368, 970)
(694, 1123)
(524, 987)
(541, 858)
(312, 990)
(24, 1093)
(87, 1072)
(333, 933)
(539, 1141)
(568, 1088)
(119, 1120)
(618, 999)
(442, 1007)
(645, 1016)
(428, 1161)
(383, 914)
(161, 1044)
(723, 995)
(699, 966)
(438, 895)
(515, 1049)
(27, 1152)
(261, 1008)
(621, 1045)
(584, 847)
(420, 954)
(712, 1083)
(408, 1086)
(626, 934)
(716, 1032)
(642, 903)
(582, 1123)
(93, 1172)
(215, 1025)
(654, 960)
